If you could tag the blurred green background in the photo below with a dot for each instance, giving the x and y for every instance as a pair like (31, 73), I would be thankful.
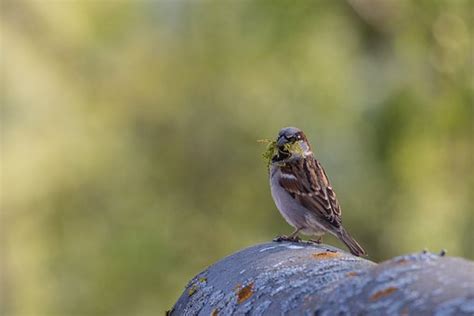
(129, 153)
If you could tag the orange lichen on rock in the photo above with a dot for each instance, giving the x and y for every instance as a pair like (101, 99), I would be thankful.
(325, 255)
(401, 261)
(383, 293)
(244, 293)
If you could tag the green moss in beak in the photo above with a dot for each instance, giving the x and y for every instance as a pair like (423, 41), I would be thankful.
(272, 149)
(269, 152)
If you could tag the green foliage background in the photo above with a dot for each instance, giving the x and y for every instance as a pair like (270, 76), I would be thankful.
(129, 154)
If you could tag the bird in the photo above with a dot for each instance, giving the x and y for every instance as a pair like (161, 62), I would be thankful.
(302, 192)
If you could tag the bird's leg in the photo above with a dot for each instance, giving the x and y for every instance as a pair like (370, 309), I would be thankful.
(292, 237)
(318, 240)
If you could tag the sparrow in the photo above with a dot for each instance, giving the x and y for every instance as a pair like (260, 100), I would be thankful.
(302, 191)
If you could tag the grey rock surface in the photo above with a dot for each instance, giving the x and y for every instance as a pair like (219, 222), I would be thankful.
(307, 279)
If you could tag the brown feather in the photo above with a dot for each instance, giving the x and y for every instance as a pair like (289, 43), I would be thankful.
(311, 187)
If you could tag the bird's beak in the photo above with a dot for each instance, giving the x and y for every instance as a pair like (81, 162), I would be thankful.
(281, 141)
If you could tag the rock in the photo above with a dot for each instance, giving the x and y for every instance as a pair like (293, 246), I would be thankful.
(308, 279)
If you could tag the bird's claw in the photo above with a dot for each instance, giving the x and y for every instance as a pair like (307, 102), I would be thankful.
(316, 241)
(286, 238)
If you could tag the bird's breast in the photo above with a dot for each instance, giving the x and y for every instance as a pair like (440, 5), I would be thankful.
(285, 203)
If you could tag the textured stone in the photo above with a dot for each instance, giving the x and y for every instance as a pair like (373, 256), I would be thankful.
(308, 279)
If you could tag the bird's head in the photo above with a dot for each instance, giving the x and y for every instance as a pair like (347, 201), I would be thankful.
(291, 142)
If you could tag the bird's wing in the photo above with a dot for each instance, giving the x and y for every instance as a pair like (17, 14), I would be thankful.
(307, 182)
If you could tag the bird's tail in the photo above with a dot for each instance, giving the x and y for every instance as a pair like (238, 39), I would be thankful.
(351, 243)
